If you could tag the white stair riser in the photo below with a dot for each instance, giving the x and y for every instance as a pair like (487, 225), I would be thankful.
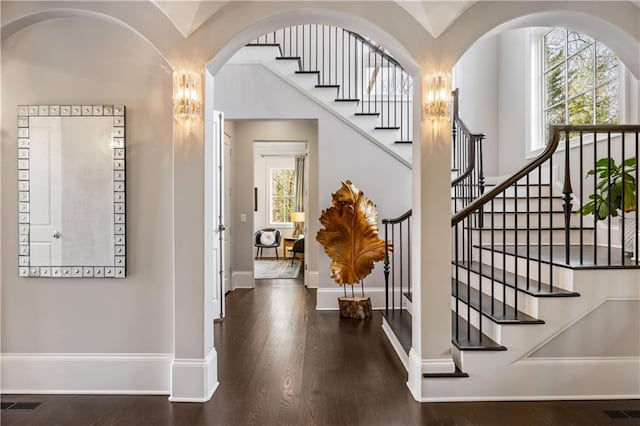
(535, 205)
(521, 191)
(531, 237)
(544, 219)
(407, 304)
(508, 263)
(526, 302)
(255, 54)
(286, 67)
(307, 81)
(510, 266)
(489, 328)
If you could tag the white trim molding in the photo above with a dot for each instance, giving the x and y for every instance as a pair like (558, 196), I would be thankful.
(395, 343)
(86, 373)
(327, 298)
(194, 380)
(242, 279)
(314, 277)
(414, 381)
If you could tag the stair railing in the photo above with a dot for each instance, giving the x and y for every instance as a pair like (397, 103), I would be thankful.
(529, 226)
(397, 260)
(359, 70)
(466, 160)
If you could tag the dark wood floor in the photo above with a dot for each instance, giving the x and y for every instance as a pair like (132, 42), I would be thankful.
(283, 363)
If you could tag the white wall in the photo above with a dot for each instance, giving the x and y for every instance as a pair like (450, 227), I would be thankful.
(494, 81)
(252, 91)
(476, 76)
(92, 61)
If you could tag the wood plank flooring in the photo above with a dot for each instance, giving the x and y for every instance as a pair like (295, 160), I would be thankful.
(281, 362)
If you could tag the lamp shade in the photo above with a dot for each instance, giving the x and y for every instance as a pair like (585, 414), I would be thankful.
(297, 217)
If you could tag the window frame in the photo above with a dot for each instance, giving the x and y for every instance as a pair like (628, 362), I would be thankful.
(270, 199)
(537, 94)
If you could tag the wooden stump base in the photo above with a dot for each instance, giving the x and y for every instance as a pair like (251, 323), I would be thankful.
(355, 307)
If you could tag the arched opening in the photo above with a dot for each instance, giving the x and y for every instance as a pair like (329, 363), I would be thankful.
(354, 156)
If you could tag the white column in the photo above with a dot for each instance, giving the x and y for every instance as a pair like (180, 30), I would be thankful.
(431, 249)
(194, 368)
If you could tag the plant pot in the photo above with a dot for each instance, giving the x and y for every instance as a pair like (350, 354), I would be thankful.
(355, 307)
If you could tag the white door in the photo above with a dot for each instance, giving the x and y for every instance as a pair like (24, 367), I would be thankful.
(218, 253)
(45, 191)
(227, 213)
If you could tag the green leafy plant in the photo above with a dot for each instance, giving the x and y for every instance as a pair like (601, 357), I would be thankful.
(608, 199)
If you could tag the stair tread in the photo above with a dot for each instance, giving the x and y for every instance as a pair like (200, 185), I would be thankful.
(387, 128)
(408, 295)
(328, 86)
(505, 277)
(475, 341)
(456, 374)
(556, 255)
(280, 58)
(368, 113)
(502, 314)
(346, 100)
(307, 72)
(404, 142)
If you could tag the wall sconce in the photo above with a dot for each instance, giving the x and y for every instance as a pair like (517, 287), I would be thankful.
(186, 94)
(438, 99)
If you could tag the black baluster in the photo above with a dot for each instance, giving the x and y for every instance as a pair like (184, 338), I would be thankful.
(457, 259)
(567, 190)
(623, 224)
(386, 268)
(581, 218)
(528, 231)
(609, 198)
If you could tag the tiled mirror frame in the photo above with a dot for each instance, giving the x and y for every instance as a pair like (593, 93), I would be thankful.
(118, 269)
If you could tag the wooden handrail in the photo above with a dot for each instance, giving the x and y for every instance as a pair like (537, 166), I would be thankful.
(551, 148)
(397, 219)
(473, 138)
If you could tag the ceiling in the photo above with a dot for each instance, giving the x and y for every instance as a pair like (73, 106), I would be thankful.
(434, 16)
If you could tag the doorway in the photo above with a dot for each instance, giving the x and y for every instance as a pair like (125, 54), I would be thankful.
(280, 197)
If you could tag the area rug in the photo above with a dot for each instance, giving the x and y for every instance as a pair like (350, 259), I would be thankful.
(269, 269)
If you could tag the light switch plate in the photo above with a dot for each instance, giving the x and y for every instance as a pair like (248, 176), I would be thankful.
(243, 217)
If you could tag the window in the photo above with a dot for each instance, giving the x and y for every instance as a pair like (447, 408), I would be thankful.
(281, 195)
(580, 80)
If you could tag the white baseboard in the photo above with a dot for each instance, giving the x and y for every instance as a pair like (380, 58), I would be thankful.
(73, 373)
(395, 343)
(314, 278)
(327, 298)
(242, 279)
(194, 380)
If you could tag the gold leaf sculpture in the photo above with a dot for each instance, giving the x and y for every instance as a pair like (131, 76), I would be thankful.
(350, 235)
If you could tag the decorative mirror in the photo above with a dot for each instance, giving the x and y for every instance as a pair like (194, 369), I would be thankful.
(71, 191)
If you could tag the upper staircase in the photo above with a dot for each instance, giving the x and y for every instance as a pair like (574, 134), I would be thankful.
(350, 75)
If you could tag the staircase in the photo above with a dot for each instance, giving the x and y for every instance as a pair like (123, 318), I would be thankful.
(528, 269)
(351, 76)
(536, 286)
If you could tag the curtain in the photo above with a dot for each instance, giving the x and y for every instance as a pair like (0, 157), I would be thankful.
(298, 195)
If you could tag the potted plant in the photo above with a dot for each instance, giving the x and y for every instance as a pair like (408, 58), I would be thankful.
(609, 198)
(350, 239)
